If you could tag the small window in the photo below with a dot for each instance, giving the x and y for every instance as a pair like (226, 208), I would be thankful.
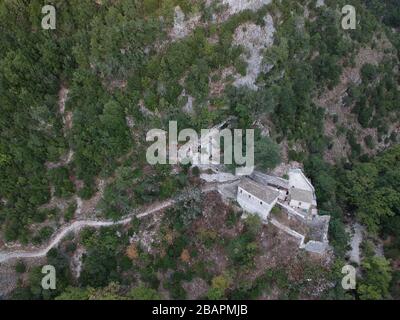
(261, 202)
(299, 203)
(249, 196)
(241, 191)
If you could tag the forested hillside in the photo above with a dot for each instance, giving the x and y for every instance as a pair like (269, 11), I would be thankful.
(76, 103)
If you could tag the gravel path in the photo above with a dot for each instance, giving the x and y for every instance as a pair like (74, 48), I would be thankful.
(356, 239)
(77, 225)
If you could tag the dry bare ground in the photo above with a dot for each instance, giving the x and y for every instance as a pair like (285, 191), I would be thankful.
(254, 39)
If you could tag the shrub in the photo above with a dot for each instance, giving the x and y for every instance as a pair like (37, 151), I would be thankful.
(20, 267)
(70, 212)
(144, 293)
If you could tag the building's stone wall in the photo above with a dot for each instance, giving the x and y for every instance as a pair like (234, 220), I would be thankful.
(254, 205)
(317, 225)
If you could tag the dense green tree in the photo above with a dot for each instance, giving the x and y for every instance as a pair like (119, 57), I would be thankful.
(266, 153)
(143, 293)
(376, 279)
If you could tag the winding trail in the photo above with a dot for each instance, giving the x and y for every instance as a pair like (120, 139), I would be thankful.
(77, 225)
(356, 240)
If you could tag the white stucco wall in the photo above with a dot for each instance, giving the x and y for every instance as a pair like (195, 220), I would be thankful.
(298, 180)
(282, 195)
(254, 205)
(300, 205)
